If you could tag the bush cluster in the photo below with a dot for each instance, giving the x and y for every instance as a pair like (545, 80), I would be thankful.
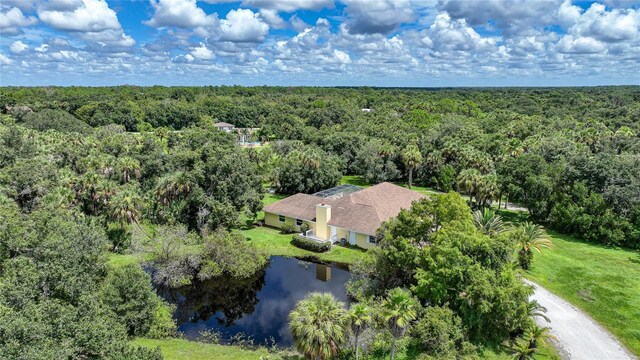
(287, 228)
(310, 245)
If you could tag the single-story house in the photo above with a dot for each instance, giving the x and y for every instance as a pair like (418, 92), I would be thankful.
(244, 134)
(344, 212)
(226, 127)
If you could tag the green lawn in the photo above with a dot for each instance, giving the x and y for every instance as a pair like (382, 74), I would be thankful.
(276, 244)
(604, 282)
(120, 260)
(178, 349)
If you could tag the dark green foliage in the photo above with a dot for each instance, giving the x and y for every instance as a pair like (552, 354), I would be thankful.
(304, 228)
(128, 293)
(439, 331)
(435, 250)
(571, 156)
(230, 253)
(310, 245)
(287, 228)
(53, 265)
(57, 120)
(307, 171)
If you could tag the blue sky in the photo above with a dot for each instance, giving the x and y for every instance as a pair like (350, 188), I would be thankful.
(320, 42)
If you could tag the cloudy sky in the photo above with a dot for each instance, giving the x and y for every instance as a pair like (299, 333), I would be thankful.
(320, 42)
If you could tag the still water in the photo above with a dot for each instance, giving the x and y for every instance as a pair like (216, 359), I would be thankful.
(258, 306)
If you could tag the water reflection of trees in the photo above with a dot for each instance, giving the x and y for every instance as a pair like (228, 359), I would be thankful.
(233, 297)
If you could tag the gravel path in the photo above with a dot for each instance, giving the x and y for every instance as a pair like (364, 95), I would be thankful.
(578, 336)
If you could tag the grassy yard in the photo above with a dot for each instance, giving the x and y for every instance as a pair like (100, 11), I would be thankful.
(120, 260)
(178, 349)
(277, 244)
(604, 282)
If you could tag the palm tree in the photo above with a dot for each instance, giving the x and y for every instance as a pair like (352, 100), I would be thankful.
(534, 309)
(318, 325)
(88, 187)
(129, 167)
(398, 310)
(530, 236)
(412, 158)
(488, 222)
(486, 190)
(521, 351)
(467, 181)
(173, 186)
(125, 207)
(359, 317)
(536, 335)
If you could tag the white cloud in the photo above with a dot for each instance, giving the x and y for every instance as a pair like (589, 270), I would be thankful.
(289, 5)
(83, 16)
(13, 19)
(297, 24)
(5, 60)
(341, 56)
(243, 25)
(272, 18)
(202, 52)
(90, 20)
(180, 13)
(568, 14)
(42, 48)
(21, 4)
(513, 17)
(381, 16)
(580, 45)
(446, 34)
(608, 26)
(18, 46)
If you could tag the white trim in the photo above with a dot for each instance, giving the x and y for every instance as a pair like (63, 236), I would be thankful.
(352, 237)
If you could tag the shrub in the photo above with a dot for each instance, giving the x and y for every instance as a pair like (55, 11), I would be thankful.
(439, 331)
(162, 324)
(310, 245)
(129, 294)
(230, 253)
(287, 228)
(304, 228)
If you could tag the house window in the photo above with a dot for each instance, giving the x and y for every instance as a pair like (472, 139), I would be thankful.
(298, 222)
(281, 218)
(372, 239)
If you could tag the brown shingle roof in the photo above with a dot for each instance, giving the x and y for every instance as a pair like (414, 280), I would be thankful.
(362, 211)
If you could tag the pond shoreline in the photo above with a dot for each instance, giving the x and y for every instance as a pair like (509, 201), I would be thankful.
(253, 311)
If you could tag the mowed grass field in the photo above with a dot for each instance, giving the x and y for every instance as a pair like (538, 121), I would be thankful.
(603, 282)
(179, 349)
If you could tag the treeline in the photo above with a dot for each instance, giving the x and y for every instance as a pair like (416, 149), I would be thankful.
(71, 194)
(570, 155)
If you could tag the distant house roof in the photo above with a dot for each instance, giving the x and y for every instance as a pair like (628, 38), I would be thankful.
(223, 124)
(361, 211)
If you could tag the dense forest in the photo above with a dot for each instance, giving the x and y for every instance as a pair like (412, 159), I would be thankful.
(570, 155)
(87, 172)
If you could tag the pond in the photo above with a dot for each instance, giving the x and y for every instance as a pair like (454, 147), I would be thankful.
(257, 306)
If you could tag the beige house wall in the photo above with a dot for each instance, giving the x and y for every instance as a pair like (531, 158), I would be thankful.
(272, 220)
(362, 240)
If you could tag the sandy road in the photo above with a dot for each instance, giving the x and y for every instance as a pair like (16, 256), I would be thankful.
(579, 337)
